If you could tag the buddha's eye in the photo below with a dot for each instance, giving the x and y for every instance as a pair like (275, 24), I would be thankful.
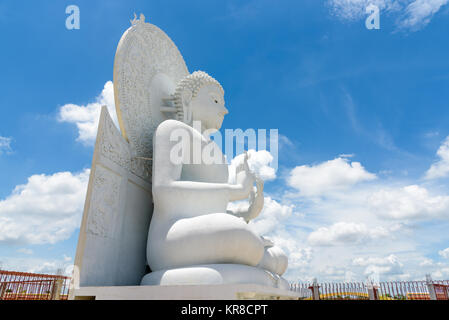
(214, 98)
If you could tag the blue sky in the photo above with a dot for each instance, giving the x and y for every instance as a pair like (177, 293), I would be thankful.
(362, 185)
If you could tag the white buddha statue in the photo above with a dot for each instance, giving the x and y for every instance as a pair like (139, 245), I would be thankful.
(193, 238)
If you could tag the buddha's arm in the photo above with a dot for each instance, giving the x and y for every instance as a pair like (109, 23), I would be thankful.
(203, 189)
(167, 173)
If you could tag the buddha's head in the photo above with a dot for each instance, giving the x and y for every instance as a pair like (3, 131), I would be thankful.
(199, 97)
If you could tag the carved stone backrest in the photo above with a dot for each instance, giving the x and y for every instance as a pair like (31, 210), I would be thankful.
(117, 213)
(147, 68)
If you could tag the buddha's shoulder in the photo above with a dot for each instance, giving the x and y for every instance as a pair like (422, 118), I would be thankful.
(166, 127)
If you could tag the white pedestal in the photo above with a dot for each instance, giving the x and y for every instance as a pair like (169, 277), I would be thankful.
(185, 292)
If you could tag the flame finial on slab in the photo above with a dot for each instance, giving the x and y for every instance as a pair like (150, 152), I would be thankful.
(136, 21)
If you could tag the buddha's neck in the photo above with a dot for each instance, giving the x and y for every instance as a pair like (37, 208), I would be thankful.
(199, 126)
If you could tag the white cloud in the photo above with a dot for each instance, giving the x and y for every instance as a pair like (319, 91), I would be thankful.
(25, 250)
(345, 233)
(332, 271)
(444, 253)
(409, 202)
(346, 155)
(258, 161)
(46, 209)
(333, 175)
(386, 265)
(440, 168)
(412, 14)
(426, 262)
(299, 257)
(382, 261)
(61, 267)
(67, 258)
(50, 267)
(353, 219)
(356, 9)
(272, 215)
(38, 265)
(442, 273)
(348, 223)
(284, 141)
(86, 116)
(419, 13)
(5, 145)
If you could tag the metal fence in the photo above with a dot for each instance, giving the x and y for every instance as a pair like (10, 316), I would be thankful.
(32, 286)
(394, 290)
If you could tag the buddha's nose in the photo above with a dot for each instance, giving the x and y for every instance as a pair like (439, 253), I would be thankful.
(224, 111)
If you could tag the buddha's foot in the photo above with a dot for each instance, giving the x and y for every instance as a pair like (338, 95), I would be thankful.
(212, 274)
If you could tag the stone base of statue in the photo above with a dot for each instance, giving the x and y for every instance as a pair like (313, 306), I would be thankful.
(186, 292)
(215, 274)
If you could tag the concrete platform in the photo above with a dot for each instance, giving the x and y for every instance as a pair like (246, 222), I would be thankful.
(185, 292)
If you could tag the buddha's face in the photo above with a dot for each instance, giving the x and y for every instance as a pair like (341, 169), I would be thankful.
(208, 107)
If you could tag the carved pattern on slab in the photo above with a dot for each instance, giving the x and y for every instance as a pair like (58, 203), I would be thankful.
(104, 202)
(114, 147)
(143, 52)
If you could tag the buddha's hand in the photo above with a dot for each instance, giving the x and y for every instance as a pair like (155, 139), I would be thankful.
(255, 201)
(245, 177)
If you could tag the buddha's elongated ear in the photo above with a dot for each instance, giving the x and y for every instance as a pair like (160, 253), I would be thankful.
(186, 98)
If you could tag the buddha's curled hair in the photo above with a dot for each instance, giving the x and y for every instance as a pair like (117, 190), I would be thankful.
(190, 85)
